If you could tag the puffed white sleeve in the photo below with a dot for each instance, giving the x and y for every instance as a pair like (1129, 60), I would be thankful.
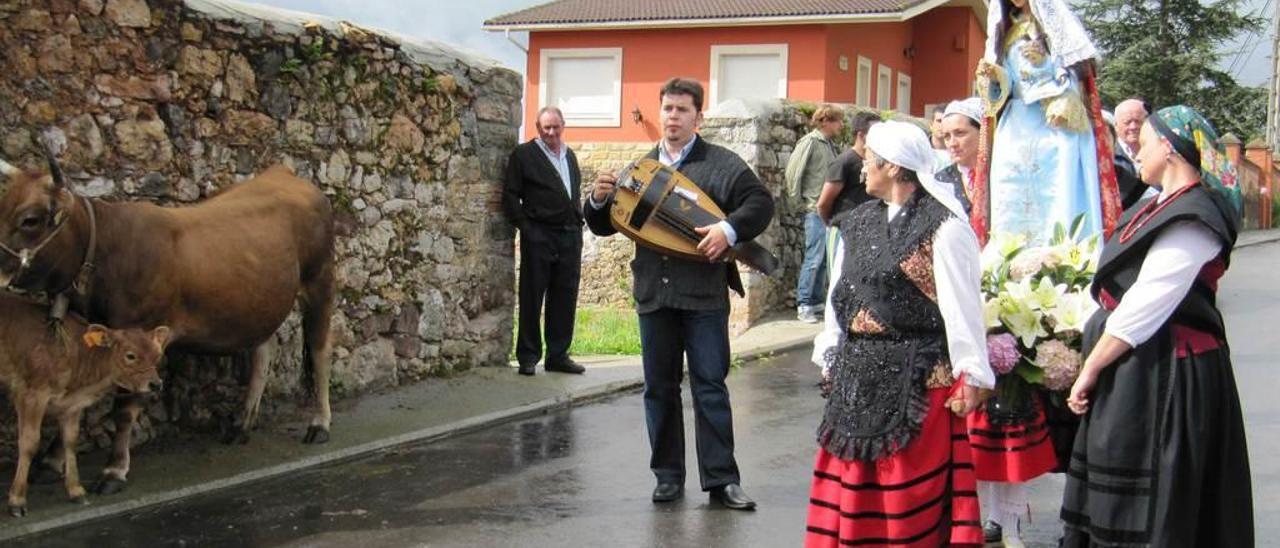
(1172, 263)
(830, 335)
(957, 273)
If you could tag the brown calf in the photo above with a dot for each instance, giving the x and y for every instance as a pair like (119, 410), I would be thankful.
(223, 274)
(57, 373)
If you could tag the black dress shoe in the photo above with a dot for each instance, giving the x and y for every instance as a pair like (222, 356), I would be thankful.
(667, 492)
(992, 532)
(567, 366)
(526, 369)
(732, 496)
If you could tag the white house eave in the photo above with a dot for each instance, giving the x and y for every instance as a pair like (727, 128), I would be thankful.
(889, 17)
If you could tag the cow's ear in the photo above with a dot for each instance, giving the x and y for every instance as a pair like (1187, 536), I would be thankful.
(161, 336)
(96, 336)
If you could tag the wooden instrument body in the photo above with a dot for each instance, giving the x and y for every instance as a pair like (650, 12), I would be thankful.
(659, 207)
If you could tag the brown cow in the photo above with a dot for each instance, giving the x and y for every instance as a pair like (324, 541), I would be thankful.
(223, 275)
(57, 373)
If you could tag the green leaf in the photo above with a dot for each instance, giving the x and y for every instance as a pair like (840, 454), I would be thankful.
(1077, 225)
(1029, 373)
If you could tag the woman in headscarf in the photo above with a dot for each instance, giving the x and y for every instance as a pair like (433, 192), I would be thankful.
(1048, 161)
(1160, 456)
(1010, 438)
(903, 355)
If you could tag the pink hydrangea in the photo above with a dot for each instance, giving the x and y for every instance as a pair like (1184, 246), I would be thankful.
(1060, 363)
(1002, 352)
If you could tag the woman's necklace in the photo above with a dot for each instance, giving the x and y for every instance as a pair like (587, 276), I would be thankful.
(1149, 212)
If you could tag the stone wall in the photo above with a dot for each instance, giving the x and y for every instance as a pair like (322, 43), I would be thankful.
(172, 100)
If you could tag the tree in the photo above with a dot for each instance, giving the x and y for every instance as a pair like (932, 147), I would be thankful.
(1168, 52)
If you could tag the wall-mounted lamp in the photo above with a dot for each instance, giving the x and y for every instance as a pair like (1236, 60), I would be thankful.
(909, 52)
(636, 115)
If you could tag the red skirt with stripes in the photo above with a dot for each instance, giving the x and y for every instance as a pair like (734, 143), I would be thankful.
(1011, 453)
(923, 495)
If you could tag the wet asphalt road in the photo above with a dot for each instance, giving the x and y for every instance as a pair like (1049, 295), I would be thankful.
(580, 477)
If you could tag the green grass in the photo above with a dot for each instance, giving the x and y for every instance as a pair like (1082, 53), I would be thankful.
(601, 331)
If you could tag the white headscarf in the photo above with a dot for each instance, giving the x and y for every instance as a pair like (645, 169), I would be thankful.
(904, 144)
(1068, 41)
(970, 108)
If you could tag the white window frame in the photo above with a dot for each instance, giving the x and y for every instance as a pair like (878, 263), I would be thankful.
(862, 88)
(904, 99)
(572, 119)
(883, 96)
(745, 49)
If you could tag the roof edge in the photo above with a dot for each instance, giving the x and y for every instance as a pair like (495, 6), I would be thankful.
(885, 17)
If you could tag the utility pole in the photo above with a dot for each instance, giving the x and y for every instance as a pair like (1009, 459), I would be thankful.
(1273, 98)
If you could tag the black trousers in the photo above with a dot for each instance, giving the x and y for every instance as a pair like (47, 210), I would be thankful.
(667, 336)
(550, 267)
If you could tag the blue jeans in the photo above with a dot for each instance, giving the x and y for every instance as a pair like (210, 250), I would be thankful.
(667, 336)
(812, 287)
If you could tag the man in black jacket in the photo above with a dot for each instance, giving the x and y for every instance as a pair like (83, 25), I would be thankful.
(684, 305)
(540, 195)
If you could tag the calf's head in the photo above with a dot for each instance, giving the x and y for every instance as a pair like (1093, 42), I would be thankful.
(33, 208)
(132, 354)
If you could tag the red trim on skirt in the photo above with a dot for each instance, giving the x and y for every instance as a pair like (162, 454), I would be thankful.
(1010, 453)
(923, 495)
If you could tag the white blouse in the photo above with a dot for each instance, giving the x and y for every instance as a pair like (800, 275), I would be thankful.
(957, 274)
(1170, 267)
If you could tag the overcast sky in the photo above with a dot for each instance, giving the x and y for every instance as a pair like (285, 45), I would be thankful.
(458, 22)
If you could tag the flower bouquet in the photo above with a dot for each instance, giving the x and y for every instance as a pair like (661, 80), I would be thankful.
(1036, 302)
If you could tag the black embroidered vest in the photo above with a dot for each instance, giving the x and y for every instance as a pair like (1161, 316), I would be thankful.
(893, 336)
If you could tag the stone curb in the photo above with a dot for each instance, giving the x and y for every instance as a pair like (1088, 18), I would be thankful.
(1265, 240)
(435, 433)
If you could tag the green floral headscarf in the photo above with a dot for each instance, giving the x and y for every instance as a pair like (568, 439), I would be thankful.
(1195, 140)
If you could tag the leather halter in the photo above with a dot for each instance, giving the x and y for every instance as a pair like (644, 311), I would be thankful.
(81, 282)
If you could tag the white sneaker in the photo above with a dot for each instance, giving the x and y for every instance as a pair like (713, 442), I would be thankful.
(806, 314)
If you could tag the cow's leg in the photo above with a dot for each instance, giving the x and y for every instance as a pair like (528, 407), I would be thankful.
(239, 433)
(69, 428)
(317, 348)
(30, 408)
(47, 466)
(115, 475)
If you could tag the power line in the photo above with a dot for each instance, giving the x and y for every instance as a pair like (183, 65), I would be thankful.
(1247, 50)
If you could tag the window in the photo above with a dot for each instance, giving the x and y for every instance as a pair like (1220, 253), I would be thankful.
(585, 83)
(904, 93)
(863, 83)
(748, 72)
(884, 86)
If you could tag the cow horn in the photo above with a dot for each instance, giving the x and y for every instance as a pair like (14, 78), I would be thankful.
(55, 170)
(7, 169)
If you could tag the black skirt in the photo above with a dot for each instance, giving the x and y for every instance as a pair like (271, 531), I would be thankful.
(1160, 458)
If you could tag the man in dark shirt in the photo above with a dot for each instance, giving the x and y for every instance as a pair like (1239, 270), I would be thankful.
(844, 188)
(684, 304)
(540, 196)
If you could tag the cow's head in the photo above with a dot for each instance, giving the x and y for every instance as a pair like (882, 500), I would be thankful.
(32, 210)
(132, 354)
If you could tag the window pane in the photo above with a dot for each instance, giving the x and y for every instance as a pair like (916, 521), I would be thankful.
(582, 86)
(749, 76)
(864, 85)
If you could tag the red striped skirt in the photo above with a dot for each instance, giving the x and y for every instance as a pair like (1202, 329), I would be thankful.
(923, 495)
(1011, 453)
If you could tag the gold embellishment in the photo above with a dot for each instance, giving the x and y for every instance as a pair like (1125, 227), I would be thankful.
(1066, 112)
(919, 269)
(866, 324)
(939, 376)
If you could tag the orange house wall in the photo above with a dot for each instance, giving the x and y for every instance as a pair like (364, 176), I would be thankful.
(945, 42)
(647, 59)
(813, 72)
(882, 43)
